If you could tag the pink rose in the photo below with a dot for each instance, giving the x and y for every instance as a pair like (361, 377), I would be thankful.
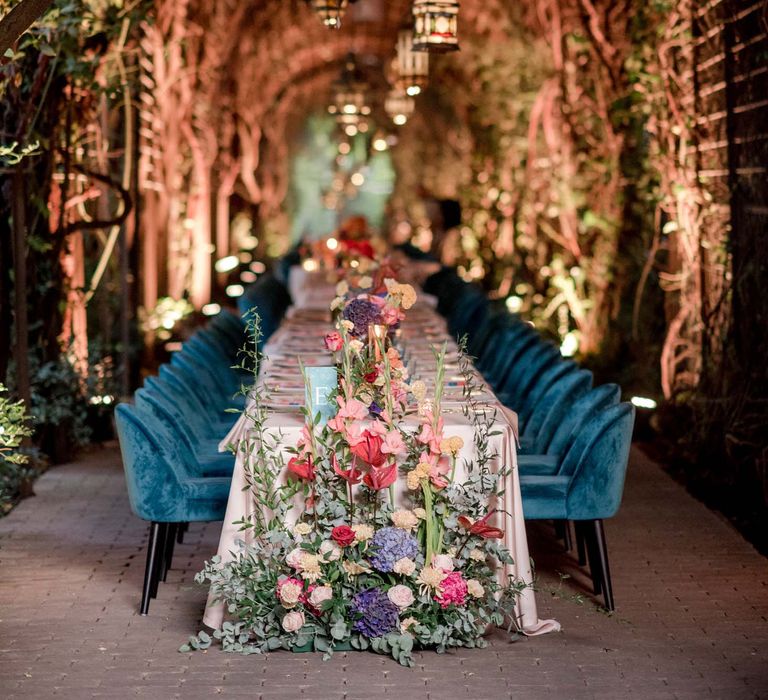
(333, 341)
(293, 621)
(400, 595)
(294, 558)
(319, 595)
(443, 561)
(290, 592)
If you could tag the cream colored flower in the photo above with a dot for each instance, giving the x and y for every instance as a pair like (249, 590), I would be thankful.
(477, 555)
(420, 513)
(365, 282)
(330, 551)
(419, 390)
(407, 623)
(404, 519)
(407, 295)
(414, 477)
(475, 588)
(337, 303)
(451, 445)
(342, 288)
(354, 569)
(425, 407)
(430, 577)
(346, 325)
(356, 346)
(310, 567)
(290, 594)
(404, 566)
(362, 532)
(442, 561)
(301, 529)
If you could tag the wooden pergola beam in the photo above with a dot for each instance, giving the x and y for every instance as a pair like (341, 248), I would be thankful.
(19, 19)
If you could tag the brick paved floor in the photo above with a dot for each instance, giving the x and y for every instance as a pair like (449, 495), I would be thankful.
(692, 617)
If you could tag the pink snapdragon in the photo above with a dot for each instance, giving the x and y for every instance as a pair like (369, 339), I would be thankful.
(393, 443)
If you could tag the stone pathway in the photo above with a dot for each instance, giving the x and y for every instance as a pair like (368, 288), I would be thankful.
(692, 618)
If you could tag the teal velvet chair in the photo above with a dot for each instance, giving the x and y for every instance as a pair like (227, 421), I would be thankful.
(504, 351)
(173, 387)
(525, 372)
(550, 388)
(231, 326)
(201, 449)
(270, 298)
(211, 362)
(588, 487)
(468, 313)
(163, 490)
(495, 322)
(563, 423)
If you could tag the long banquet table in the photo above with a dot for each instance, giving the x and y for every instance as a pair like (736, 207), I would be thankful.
(300, 336)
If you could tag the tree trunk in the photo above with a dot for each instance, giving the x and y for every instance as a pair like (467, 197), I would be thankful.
(19, 19)
(21, 347)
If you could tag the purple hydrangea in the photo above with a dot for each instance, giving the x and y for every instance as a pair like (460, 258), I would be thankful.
(390, 544)
(362, 313)
(378, 614)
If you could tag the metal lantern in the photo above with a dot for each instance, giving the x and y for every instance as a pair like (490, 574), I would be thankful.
(330, 11)
(412, 66)
(436, 27)
(399, 106)
(349, 103)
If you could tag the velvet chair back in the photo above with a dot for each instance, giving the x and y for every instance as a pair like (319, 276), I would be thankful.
(598, 464)
(559, 385)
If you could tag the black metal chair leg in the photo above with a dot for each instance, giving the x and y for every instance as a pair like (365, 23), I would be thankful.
(159, 558)
(181, 529)
(170, 542)
(581, 547)
(602, 552)
(567, 539)
(150, 571)
(593, 558)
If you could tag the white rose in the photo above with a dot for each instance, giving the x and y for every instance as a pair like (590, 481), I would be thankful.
(475, 588)
(442, 561)
(330, 551)
(294, 558)
(365, 282)
(400, 595)
(290, 593)
(301, 529)
(293, 621)
(477, 555)
(319, 595)
(342, 288)
(404, 566)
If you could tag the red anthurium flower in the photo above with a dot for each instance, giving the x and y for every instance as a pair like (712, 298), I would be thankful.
(381, 477)
(480, 527)
(351, 475)
(369, 449)
(302, 467)
(371, 376)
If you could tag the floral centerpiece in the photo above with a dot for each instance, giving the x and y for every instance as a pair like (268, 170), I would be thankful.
(385, 550)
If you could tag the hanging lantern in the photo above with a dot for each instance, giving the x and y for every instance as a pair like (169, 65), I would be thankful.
(412, 66)
(436, 26)
(399, 106)
(349, 103)
(330, 11)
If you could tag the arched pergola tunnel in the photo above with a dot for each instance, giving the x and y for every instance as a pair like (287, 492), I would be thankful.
(608, 156)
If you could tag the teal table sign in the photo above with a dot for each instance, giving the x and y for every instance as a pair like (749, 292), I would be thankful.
(321, 382)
